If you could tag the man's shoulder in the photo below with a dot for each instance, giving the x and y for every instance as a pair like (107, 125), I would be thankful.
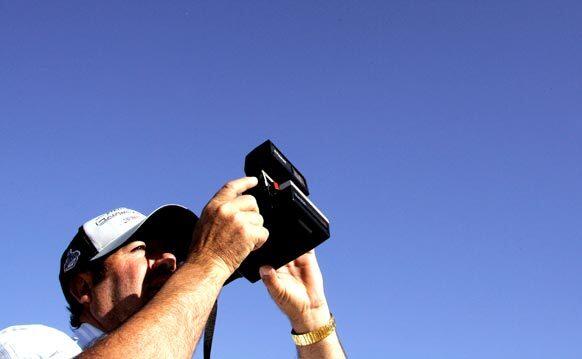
(36, 341)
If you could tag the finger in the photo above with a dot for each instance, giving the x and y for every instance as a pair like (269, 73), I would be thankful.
(307, 258)
(245, 203)
(260, 234)
(253, 218)
(271, 281)
(234, 188)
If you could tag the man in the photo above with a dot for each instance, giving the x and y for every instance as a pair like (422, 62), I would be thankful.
(134, 290)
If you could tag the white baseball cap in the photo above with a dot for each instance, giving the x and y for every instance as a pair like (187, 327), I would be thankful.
(105, 233)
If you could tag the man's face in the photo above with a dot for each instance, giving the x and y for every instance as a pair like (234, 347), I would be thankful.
(133, 275)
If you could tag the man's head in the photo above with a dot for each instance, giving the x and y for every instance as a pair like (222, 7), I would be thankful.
(119, 260)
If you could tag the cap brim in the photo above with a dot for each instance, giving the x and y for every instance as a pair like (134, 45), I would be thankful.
(170, 221)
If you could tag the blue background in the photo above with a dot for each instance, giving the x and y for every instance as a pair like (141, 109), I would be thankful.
(441, 138)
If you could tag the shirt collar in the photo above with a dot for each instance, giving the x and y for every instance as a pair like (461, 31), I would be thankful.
(86, 335)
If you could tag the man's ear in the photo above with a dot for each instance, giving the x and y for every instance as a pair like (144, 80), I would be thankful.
(80, 288)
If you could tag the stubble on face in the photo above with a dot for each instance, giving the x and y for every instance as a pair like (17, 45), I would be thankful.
(128, 285)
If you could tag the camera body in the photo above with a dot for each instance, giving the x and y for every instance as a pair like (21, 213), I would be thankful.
(295, 224)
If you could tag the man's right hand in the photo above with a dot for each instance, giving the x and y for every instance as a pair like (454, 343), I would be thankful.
(230, 226)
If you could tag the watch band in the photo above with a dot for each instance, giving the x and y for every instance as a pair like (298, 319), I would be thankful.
(316, 335)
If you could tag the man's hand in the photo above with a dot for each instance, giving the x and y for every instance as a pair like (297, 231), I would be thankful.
(230, 226)
(297, 289)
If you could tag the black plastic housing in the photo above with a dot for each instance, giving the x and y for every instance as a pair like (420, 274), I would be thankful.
(267, 157)
(295, 224)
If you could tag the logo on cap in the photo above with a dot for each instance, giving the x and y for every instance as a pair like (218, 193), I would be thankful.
(71, 260)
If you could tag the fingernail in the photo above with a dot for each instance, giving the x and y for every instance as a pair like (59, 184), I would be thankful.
(263, 271)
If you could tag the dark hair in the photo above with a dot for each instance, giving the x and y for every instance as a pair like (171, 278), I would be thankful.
(97, 270)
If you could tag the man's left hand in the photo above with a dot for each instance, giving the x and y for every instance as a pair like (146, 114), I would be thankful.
(297, 289)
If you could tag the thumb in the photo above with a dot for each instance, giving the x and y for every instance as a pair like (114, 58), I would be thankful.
(271, 281)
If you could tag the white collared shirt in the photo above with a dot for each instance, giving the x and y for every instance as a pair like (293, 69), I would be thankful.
(86, 335)
(40, 341)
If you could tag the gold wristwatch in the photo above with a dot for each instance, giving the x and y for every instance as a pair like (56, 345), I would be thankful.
(316, 335)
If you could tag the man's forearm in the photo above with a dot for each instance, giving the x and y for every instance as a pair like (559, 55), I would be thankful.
(329, 347)
(171, 324)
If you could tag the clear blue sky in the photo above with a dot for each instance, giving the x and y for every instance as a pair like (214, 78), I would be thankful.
(443, 139)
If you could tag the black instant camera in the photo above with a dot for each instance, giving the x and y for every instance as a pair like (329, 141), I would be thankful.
(295, 224)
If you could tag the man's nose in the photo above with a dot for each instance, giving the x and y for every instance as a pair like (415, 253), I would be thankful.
(167, 260)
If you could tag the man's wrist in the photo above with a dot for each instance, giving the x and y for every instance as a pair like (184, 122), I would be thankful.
(210, 265)
(314, 336)
(312, 320)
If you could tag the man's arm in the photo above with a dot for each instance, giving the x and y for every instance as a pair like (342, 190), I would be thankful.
(297, 289)
(171, 324)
